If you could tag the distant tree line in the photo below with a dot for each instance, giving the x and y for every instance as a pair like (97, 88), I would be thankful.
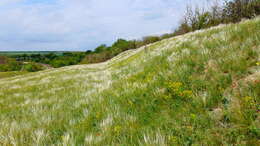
(52, 59)
(195, 19)
(36, 62)
(10, 64)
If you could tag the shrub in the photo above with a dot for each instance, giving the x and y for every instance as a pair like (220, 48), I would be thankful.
(3, 60)
(32, 67)
(9, 64)
(232, 11)
(150, 39)
(235, 10)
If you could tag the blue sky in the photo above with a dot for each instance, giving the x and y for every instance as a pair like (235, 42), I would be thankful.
(32, 25)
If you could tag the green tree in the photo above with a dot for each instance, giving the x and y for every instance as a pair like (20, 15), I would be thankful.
(33, 67)
(100, 48)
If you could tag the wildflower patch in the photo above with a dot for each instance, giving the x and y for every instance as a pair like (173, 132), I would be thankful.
(178, 90)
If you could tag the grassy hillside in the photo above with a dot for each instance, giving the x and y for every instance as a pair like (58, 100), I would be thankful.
(201, 88)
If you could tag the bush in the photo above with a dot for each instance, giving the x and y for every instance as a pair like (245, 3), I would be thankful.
(231, 12)
(235, 10)
(3, 60)
(8, 64)
(150, 39)
(32, 67)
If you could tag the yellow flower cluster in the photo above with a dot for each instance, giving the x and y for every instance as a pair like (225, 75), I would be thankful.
(117, 129)
(166, 97)
(258, 63)
(187, 93)
(177, 89)
(249, 101)
(173, 139)
(175, 85)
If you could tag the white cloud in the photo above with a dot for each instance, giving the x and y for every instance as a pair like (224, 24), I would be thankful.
(83, 24)
(6, 2)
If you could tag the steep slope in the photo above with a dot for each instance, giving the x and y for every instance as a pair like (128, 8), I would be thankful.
(200, 88)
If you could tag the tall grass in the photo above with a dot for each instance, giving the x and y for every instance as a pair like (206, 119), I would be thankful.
(201, 88)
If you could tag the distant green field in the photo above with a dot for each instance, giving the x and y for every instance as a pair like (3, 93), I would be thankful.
(11, 53)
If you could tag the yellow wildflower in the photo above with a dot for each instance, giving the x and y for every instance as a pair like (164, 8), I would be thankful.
(258, 63)
(173, 139)
(187, 93)
(249, 101)
(117, 129)
(193, 116)
(176, 85)
(130, 102)
(166, 97)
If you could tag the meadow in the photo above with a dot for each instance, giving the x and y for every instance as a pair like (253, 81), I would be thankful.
(201, 88)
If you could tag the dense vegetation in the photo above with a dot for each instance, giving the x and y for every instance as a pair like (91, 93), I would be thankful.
(201, 88)
(231, 12)
(32, 62)
(3, 59)
(9, 64)
(10, 67)
(55, 60)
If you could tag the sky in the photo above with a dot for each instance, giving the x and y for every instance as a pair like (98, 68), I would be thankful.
(80, 25)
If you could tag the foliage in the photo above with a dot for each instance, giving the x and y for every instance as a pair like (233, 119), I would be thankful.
(32, 67)
(103, 52)
(3, 60)
(55, 60)
(235, 10)
(10, 65)
(231, 12)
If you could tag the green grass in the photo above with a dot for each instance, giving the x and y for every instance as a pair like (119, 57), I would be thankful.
(201, 88)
